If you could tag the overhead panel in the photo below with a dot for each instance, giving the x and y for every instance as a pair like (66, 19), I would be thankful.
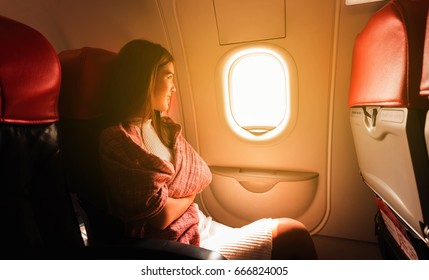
(240, 21)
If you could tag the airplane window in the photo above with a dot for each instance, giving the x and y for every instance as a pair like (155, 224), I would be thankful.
(259, 91)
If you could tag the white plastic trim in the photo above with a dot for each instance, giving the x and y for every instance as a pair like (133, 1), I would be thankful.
(356, 2)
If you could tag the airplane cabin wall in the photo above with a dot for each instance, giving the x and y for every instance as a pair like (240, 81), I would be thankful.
(319, 36)
(320, 39)
(308, 39)
(98, 23)
(352, 202)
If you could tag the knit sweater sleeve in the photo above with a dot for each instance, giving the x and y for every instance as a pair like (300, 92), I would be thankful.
(140, 182)
(136, 182)
(192, 173)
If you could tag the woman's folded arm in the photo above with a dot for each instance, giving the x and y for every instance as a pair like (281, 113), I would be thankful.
(173, 209)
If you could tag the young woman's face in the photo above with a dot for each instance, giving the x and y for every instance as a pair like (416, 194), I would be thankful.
(164, 87)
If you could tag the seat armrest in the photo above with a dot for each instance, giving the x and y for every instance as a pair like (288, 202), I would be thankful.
(149, 249)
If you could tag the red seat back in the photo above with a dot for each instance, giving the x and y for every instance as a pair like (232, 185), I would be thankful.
(387, 57)
(36, 212)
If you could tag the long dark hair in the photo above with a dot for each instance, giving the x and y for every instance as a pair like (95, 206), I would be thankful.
(132, 84)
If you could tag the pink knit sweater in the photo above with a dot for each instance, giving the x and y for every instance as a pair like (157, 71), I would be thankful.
(140, 182)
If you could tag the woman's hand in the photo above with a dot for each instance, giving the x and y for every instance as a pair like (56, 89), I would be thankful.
(173, 209)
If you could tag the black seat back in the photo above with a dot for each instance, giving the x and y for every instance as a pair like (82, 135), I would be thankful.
(36, 212)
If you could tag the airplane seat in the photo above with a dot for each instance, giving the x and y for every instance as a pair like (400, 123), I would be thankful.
(36, 211)
(85, 73)
(83, 70)
(387, 116)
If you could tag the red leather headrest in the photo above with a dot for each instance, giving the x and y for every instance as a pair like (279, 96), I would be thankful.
(29, 75)
(424, 86)
(387, 57)
(84, 75)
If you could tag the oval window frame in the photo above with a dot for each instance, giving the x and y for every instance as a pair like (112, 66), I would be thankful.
(223, 88)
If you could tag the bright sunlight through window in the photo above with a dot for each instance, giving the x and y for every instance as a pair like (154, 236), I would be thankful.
(258, 92)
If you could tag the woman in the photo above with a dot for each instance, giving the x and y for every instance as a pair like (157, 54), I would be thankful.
(153, 174)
